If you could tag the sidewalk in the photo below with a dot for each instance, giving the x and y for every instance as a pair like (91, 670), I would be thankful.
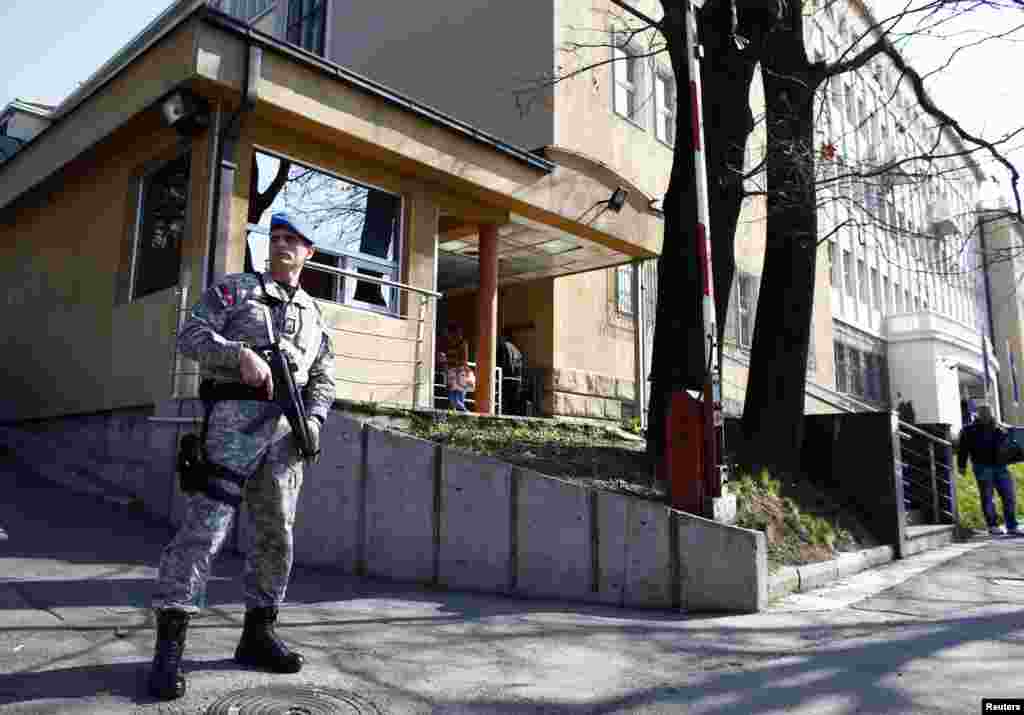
(75, 635)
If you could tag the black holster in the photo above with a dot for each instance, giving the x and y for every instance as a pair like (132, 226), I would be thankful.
(196, 473)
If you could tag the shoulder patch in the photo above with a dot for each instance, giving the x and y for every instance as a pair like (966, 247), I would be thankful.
(226, 295)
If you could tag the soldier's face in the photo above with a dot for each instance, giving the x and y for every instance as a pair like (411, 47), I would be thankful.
(288, 249)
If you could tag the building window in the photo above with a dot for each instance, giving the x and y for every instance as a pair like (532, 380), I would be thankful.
(887, 294)
(665, 107)
(624, 290)
(357, 229)
(245, 9)
(745, 307)
(842, 375)
(305, 24)
(862, 281)
(162, 220)
(848, 273)
(876, 293)
(831, 263)
(856, 372)
(628, 73)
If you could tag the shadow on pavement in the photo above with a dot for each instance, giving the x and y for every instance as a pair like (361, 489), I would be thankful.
(117, 680)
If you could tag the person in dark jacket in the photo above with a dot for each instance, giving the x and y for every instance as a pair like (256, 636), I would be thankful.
(980, 442)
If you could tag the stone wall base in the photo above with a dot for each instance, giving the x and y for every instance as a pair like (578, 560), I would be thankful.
(580, 393)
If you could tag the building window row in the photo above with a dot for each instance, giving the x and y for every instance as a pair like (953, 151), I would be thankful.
(862, 374)
(643, 92)
(742, 311)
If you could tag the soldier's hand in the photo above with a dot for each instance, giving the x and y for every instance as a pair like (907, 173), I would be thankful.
(314, 433)
(256, 372)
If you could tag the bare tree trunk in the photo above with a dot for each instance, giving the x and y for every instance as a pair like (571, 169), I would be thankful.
(774, 409)
(678, 359)
(727, 72)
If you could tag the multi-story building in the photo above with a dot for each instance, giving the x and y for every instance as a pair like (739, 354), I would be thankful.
(1003, 240)
(885, 324)
(900, 237)
(896, 310)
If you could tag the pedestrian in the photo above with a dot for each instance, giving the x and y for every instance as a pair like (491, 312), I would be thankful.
(459, 375)
(981, 441)
(248, 444)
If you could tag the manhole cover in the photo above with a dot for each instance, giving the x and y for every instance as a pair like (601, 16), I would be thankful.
(292, 700)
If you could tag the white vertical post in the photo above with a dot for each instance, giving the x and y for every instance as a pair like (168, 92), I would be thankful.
(639, 368)
(712, 389)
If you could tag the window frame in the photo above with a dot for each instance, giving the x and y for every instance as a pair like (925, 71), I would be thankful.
(745, 310)
(634, 59)
(142, 183)
(665, 107)
(321, 51)
(627, 271)
(235, 9)
(353, 260)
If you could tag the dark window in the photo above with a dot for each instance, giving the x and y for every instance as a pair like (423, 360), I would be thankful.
(842, 381)
(305, 25)
(856, 372)
(164, 210)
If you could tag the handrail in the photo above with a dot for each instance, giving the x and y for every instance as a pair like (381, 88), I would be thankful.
(923, 433)
(371, 279)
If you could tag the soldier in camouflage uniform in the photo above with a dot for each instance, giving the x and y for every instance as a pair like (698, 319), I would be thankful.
(252, 440)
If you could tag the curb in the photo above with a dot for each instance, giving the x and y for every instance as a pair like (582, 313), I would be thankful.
(798, 579)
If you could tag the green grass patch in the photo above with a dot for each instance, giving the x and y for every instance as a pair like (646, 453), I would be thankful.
(968, 499)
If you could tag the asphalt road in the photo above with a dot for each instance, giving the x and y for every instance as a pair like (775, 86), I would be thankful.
(931, 634)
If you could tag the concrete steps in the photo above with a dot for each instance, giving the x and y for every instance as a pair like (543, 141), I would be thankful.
(923, 537)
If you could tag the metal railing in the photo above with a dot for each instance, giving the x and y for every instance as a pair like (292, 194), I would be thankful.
(185, 379)
(927, 472)
(419, 359)
(441, 389)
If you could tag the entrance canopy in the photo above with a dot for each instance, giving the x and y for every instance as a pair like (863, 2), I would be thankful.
(527, 250)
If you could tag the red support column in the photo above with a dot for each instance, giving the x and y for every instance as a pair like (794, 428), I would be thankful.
(487, 311)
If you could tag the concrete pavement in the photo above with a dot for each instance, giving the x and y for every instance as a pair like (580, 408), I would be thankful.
(930, 634)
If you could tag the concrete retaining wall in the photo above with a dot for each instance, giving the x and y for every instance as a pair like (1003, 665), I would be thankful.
(387, 505)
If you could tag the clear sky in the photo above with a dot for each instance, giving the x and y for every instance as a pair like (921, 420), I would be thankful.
(49, 48)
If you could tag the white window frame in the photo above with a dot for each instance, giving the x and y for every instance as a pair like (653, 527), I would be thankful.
(626, 56)
(344, 291)
(665, 100)
(624, 290)
(746, 308)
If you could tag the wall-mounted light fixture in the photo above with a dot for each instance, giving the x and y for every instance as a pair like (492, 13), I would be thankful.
(618, 199)
(184, 112)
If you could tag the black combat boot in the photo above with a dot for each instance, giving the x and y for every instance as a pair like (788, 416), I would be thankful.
(165, 679)
(261, 648)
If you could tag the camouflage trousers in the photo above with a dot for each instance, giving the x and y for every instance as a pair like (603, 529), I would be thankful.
(270, 498)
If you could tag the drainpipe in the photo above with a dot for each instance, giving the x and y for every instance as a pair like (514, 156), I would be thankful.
(226, 144)
(989, 323)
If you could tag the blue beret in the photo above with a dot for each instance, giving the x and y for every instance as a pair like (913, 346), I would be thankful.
(292, 223)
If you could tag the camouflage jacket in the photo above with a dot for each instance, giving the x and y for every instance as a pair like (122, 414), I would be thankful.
(230, 315)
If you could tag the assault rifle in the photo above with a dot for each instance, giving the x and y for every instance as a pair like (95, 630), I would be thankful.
(286, 393)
